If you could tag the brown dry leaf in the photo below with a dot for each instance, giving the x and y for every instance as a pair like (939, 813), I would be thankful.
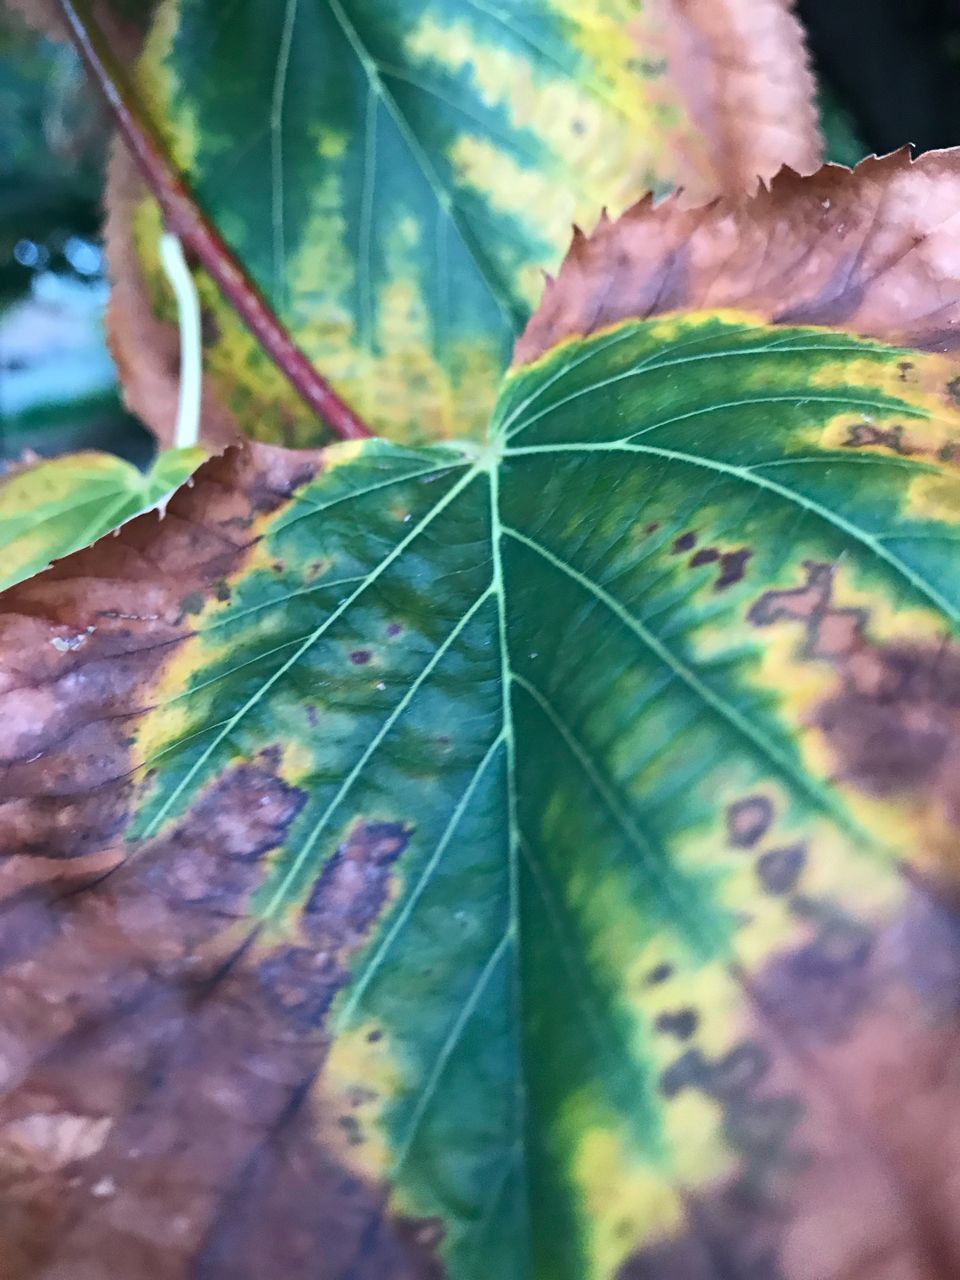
(159, 1113)
(741, 69)
(875, 252)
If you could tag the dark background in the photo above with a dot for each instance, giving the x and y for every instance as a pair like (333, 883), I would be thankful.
(894, 64)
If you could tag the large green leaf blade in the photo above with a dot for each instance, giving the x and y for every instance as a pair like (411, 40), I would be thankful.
(530, 859)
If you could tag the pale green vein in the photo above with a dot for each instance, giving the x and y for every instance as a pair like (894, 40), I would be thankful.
(413, 895)
(649, 854)
(315, 508)
(513, 829)
(584, 997)
(276, 151)
(445, 198)
(234, 615)
(868, 540)
(511, 140)
(799, 397)
(365, 229)
(603, 340)
(831, 458)
(314, 636)
(281, 894)
(453, 1038)
(719, 705)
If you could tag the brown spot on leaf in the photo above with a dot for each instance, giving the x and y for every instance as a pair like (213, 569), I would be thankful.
(895, 725)
(360, 657)
(864, 435)
(779, 869)
(822, 985)
(829, 632)
(162, 1102)
(682, 1023)
(748, 821)
(733, 566)
(684, 542)
(706, 555)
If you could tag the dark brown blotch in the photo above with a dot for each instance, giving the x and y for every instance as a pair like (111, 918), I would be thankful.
(706, 555)
(732, 1232)
(748, 820)
(733, 568)
(778, 870)
(352, 889)
(821, 987)
(681, 1023)
(685, 542)
(864, 435)
(895, 725)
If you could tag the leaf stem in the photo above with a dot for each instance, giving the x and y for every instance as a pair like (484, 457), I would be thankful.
(184, 219)
(191, 359)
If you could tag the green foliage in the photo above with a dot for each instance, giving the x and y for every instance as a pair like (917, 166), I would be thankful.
(48, 509)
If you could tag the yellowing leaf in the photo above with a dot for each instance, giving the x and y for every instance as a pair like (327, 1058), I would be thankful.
(534, 859)
(51, 508)
(396, 178)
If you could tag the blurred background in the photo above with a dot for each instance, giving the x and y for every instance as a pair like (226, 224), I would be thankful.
(889, 74)
(58, 388)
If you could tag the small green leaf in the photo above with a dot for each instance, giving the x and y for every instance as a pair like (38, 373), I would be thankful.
(49, 509)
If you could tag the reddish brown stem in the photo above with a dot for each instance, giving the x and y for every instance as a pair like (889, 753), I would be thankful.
(184, 218)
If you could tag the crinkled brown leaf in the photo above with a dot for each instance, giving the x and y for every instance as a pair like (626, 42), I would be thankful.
(153, 1084)
(875, 251)
(741, 69)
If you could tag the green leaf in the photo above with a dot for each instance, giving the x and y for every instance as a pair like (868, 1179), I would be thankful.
(49, 509)
(396, 178)
(527, 859)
